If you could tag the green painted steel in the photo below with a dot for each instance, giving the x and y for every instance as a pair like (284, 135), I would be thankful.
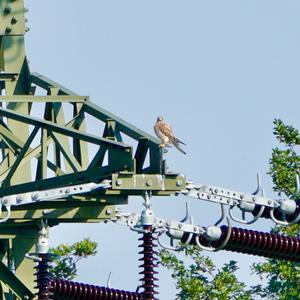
(48, 149)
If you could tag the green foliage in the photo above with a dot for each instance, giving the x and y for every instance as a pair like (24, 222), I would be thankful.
(283, 278)
(284, 166)
(286, 134)
(65, 265)
(202, 280)
(285, 163)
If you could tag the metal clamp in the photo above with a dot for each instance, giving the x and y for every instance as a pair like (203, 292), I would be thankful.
(8, 211)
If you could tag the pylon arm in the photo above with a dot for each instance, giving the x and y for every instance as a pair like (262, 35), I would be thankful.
(228, 197)
(48, 195)
(247, 203)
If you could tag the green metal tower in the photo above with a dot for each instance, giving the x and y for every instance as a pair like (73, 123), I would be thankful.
(43, 149)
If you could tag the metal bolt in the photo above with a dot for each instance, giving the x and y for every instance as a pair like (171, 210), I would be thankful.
(179, 182)
(27, 29)
(195, 229)
(13, 21)
(35, 197)
(19, 199)
(7, 10)
(168, 223)
(242, 197)
(270, 202)
(254, 199)
(8, 30)
(216, 190)
(5, 201)
(208, 196)
(149, 182)
(109, 211)
(179, 225)
(67, 191)
(228, 201)
(119, 182)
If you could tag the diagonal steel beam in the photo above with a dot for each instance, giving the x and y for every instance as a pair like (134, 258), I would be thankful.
(80, 148)
(35, 152)
(47, 83)
(98, 158)
(66, 152)
(127, 128)
(11, 139)
(14, 283)
(48, 98)
(20, 157)
(61, 129)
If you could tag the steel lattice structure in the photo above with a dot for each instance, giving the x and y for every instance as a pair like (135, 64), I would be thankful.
(54, 169)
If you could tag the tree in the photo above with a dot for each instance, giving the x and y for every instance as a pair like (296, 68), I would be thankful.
(66, 257)
(283, 278)
(202, 280)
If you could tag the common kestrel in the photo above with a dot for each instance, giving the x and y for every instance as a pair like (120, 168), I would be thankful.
(164, 132)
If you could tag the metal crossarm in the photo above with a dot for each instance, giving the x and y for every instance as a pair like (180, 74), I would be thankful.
(226, 196)
(257, 206)
(48, 195)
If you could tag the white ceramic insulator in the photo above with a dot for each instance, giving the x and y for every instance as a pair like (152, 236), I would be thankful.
(213, 233)
(147, 217)
(288, 206)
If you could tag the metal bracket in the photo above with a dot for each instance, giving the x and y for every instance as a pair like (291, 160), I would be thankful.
(148, 182)
(245, 202)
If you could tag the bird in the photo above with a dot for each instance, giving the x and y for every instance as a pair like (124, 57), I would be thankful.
(165, 133)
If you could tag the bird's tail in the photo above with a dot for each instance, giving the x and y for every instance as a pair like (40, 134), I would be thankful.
(180, 142)
(178, 147)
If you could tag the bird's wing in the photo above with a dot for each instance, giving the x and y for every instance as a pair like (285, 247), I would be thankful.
(176, 144)
(166, 130)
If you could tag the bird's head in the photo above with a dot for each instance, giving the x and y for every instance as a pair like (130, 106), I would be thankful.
(160, 118)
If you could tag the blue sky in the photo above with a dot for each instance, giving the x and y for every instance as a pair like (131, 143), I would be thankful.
(219, 71)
